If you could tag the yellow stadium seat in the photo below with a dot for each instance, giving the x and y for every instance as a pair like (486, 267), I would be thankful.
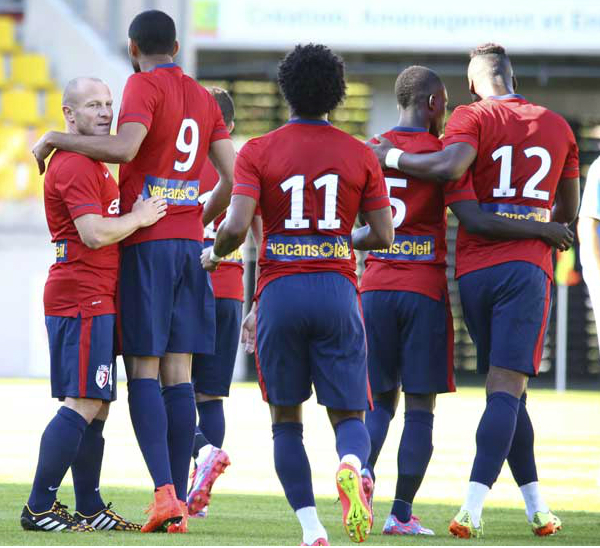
(15, 176)
(53, 112)
(3, 78)
(7, 34)
(31, 70)
(20, 106)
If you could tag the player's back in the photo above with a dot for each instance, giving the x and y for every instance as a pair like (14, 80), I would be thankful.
(311, 179)
(182, 119)
(416, 260)
(523, 151)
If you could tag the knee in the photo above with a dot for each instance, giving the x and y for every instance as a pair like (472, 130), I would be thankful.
(338, 415)
(88, 408)
(420, 402)
(281, 413)
(201, 398)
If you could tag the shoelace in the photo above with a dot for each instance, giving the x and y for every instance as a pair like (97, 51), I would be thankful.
(61, 511)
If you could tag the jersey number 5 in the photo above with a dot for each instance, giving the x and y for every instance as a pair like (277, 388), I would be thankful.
(187, 146)
(504, 190)
(398, 204)
(296, 185)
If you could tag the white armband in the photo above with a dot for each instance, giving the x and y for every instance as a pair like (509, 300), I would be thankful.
(392, 157)
(214, 257)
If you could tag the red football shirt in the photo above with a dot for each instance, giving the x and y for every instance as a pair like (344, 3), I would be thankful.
(416, 260)
(183, 119)
(523, 150)
(310, 179)
(82, 280)
(228, 279)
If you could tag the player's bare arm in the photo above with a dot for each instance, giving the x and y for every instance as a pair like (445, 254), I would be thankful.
(222, 156)
(232, 231)
(496, 227)
(378, 233)
(449, 164)
(97, 231)
(566, 205)
(249, 323)
(115, 149)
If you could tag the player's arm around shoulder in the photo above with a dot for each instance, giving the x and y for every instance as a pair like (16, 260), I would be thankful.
(97, 231)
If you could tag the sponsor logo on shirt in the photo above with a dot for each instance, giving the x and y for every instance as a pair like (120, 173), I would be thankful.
(315, 247)
(520, 212)
(236, 256)
(408, 248)
(61, 251)
(175, 191)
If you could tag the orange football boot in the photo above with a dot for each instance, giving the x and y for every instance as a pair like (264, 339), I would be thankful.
(164, 511)
(182, 526)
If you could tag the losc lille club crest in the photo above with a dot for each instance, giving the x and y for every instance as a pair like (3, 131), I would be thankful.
(102, 376)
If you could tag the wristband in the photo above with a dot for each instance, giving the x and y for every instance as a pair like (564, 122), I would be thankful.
(214, 257)
(392, 157)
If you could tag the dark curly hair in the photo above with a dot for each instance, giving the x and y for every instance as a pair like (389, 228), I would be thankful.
(415, 84)
(311, 79)
(225, 103)
(495, 58)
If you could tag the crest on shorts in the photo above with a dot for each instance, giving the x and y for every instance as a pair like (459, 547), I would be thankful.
(102, 375)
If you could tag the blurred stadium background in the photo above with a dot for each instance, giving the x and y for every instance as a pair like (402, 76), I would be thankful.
(236, 44)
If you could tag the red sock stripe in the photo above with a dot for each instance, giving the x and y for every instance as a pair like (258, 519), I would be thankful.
(539, 347)
(261, 380)
(85, 336)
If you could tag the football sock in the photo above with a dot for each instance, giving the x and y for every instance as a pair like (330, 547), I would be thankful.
(494, 437)
(86, 470)
(312, 528)
(533, 499)
(181, 419)
(521, 458)
(291, 464)
(352, 440)
(414, 455)
(212, 421)
(149, 419)
(476, 494)
(377, 423)
(58, 448)
(200, 441)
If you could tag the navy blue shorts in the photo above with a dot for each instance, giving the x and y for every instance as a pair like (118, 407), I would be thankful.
(506, 308)
(212, 373)
(166, 299)
(410, 338)
(310, 332)
(82, 357)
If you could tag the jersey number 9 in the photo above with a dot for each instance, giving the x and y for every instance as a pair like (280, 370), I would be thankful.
(187, 146)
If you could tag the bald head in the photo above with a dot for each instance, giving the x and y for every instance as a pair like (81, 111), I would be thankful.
(490, 66)
(87, 106)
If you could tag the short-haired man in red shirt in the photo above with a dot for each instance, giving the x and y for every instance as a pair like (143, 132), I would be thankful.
(82, 209)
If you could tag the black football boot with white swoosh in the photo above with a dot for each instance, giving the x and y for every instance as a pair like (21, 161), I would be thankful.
(52, 521)
(107, 520)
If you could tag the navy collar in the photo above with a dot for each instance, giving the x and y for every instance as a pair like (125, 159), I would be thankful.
(165, 65)
(409, 129)
(507, 96)
(309, 122)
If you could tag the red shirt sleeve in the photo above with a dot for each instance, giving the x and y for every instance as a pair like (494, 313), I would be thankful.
(219, 129)
(78, 185)
(140, 98)
(462, 127)
(461, 190)
(571, 167)
(246, 176)
(375, 193)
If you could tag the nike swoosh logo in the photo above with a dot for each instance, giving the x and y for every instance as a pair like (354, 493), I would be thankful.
(52, 488)
(97, 489)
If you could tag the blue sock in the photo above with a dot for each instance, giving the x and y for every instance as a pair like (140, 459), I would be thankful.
(58, 449)
(149, 419)
(352, 438)
(521, 457)
(377, 423)
(494, 437)
(181, 418)
(212, 421)
(291, 464)
(86, 470)
(414, 455)
(199, 441)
